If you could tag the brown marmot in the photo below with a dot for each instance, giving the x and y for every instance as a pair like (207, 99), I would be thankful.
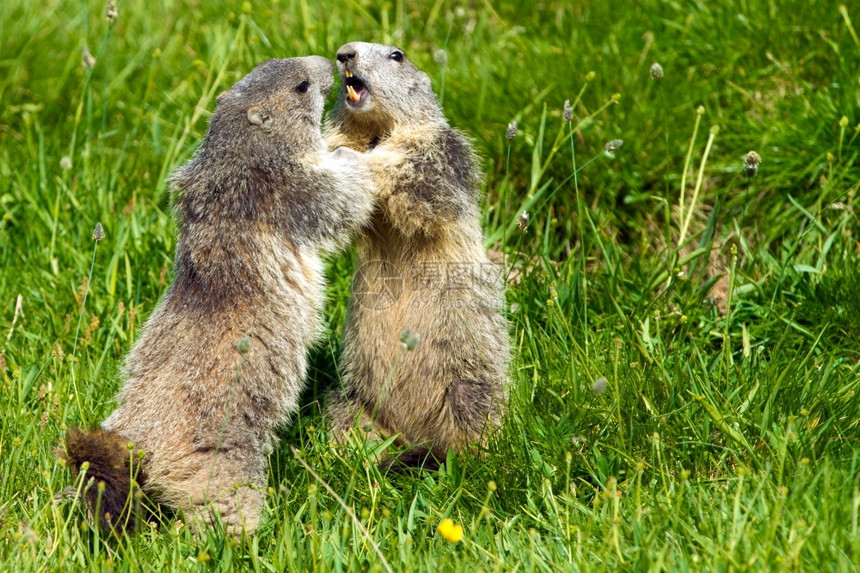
(422, 267)
(222, 359)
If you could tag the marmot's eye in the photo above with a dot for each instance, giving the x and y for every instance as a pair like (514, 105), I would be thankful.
(303, 87)
(397, 56)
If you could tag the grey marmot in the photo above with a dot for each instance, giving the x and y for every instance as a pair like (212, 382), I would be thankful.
(422, 267)
(259, 205)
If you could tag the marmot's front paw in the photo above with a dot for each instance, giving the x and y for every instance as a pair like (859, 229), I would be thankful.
(391, 168)
(383, 157)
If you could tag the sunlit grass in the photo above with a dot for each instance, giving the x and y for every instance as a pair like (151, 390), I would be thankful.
(686, 332)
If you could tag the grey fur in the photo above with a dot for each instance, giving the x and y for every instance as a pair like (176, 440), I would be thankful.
(259, 206)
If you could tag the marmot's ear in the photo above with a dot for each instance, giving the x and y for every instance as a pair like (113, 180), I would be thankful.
(260, 116)
(221, 97)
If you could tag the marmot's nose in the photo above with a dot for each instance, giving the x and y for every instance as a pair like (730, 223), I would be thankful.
(345, 55)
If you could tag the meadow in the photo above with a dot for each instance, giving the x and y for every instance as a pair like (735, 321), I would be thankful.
(685, 317)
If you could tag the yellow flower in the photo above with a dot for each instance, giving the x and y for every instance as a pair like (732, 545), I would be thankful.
(450, 531)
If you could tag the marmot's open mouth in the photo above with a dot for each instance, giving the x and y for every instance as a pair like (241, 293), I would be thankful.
(356, 89)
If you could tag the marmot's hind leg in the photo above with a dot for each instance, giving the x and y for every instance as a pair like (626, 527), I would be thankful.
(346, 414)
(225, 485)
(474, 408)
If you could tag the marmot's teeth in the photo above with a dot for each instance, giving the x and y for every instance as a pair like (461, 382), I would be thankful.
(347, 73)
(353, 95)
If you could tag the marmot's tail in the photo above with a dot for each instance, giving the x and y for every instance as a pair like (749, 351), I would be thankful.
(421, 457)
(108, 457)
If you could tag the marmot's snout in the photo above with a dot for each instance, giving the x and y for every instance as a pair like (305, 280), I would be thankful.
(357, 91)
(346, 54)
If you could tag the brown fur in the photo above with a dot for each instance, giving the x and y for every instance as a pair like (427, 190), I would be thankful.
(110, 462)
(260, 204)
(452, 388)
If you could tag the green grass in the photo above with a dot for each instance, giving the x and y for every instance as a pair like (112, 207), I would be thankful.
(727, 435)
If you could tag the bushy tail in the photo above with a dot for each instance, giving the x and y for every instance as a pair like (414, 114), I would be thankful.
(420, 457)
(108, 459)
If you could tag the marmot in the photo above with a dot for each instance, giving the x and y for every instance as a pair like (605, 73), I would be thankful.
(259, 205)
(422, 267)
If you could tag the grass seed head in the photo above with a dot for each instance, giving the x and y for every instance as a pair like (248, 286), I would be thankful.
(87, 59)
(409, 339)
(98, 232)
(511, 132)
(612, 146)
(523, 221)
(656, 71)
(567, 114)
(751, 162)
(111, 12)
